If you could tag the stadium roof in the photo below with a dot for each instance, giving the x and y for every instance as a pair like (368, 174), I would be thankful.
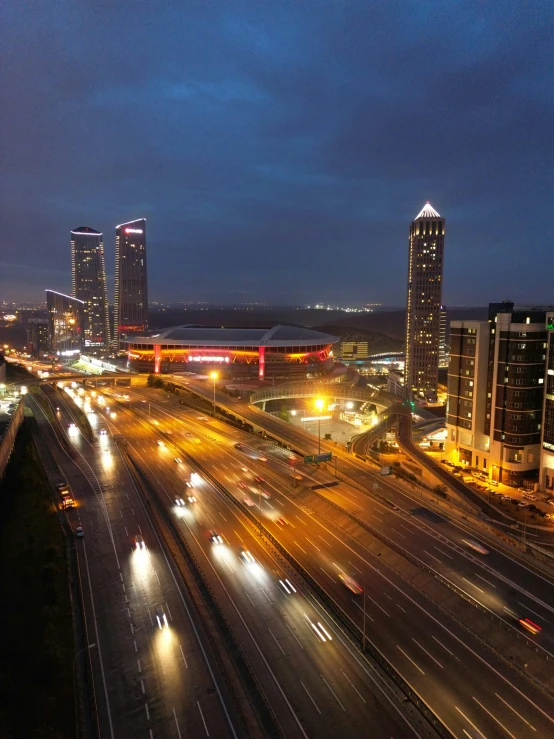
(210, 336)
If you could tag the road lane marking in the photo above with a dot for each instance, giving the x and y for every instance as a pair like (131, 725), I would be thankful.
(276, 642)
(300, 519)
(352, 684)
(310, 697)
(398, 532)
(292, 632)
(222, 516)
(142, 687)
(440, 550)
(356, 568)
(470, 723)
(333, 692)
(150, 615)
(157, 578)
(132, 629)
(138, 663)
(411, 660)
(250, 599)
(322, 539)
(126, 532)
(361, 609)
(299, 547)
(377, 604)
(238, 535)
(532, 611)
(514, 710)
(432, 555)
(147, 712)
(510, 612)
(427, 653)
(170, 616)
(448, 650)
(473, 585)
(135, 643)
(176, 724)
(203, 719)
(328, 575)
(398, 604)
(494, 717)
(484, 580)
(183, 656)
(314, 545)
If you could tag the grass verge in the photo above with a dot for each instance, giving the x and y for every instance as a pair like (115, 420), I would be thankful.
(36, 643)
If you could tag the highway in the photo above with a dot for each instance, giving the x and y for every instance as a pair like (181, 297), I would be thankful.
(312, 676)
(148, 682)
(480, 688)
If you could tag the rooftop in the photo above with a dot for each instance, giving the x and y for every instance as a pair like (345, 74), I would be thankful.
(212, 336)
(427, 212)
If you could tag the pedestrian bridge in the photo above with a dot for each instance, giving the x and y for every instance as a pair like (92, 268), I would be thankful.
(334, 391)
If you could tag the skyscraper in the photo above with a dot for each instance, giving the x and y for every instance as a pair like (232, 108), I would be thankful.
(424, 304)
(88, 283)
(65, 319)
(131, 286)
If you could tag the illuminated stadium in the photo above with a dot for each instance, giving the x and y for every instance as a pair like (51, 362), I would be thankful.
(280, 352)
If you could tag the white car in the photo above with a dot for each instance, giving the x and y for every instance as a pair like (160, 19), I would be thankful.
(79, 533)
(215, 537)
(178, 460)
(249, 502)
(103, 432)
(161, 443)
(179, 501)
(191, 499)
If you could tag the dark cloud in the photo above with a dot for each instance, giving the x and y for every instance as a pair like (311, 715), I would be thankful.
(279, 150)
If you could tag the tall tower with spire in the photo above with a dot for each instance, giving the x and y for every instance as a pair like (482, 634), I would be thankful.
(425, 265)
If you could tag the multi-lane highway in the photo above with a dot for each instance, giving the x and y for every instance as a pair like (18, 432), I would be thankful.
(312, 676)
(466, 684)
(148, 681)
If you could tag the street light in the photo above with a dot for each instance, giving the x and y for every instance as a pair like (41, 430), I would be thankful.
(213, 375)
(319, 403)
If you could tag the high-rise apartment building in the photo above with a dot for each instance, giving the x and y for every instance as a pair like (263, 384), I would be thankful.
(65, 323)
(425, 264)
(131, 286)
(546, 481)
(495, 392)
(88, 283)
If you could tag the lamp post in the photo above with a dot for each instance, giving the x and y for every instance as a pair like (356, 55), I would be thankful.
(319, 403)
(213, 375)
(85, 649)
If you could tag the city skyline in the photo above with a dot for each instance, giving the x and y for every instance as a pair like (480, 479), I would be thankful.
(316, 137)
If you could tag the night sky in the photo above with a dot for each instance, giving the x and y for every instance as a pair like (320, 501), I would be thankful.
(280, 149)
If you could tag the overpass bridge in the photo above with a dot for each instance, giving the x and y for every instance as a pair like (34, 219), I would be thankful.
(332, 391)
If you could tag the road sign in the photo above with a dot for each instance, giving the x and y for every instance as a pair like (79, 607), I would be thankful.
(325, 457)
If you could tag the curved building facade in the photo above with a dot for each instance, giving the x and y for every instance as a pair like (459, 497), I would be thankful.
(280, 352)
